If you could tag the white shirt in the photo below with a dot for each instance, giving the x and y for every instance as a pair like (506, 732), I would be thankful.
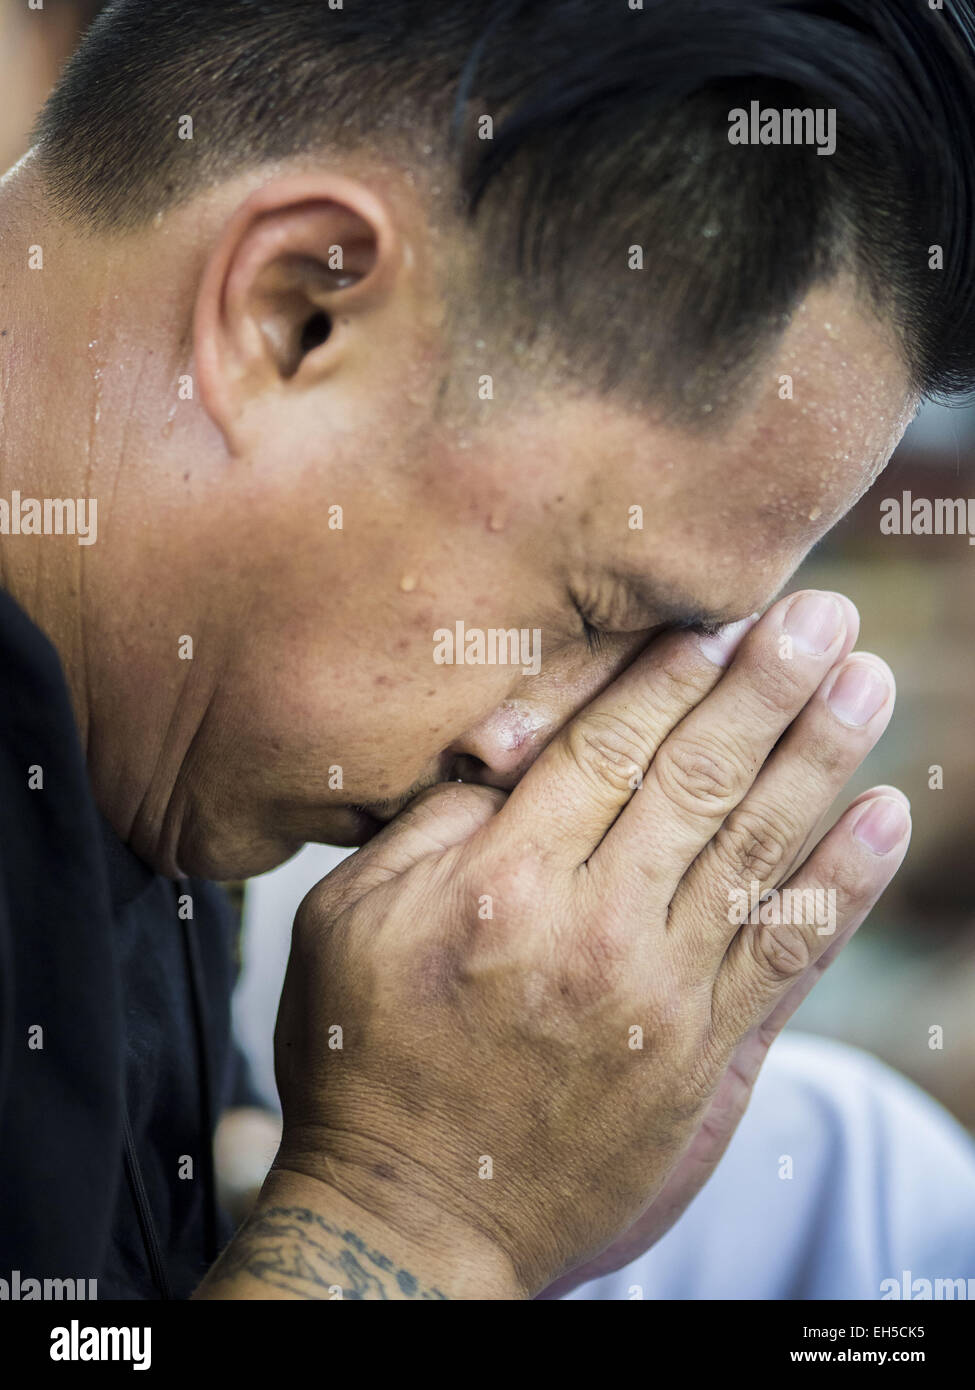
(883, 1184)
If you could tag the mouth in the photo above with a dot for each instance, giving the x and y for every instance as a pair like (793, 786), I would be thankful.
(367, 819)
(381, 812)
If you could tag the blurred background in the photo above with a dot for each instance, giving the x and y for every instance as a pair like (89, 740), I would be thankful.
(911, 967)
(33, 47)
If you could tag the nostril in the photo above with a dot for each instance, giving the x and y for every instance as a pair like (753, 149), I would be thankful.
(465, 768)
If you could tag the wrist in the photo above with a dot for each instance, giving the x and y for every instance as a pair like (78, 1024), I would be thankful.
(387, 1240)
(380, 1197)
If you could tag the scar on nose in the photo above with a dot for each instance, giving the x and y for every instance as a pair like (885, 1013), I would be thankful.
(519, 727)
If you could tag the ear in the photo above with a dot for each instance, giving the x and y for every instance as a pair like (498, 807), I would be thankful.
(301, 280)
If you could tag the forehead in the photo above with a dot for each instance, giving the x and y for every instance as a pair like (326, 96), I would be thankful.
(726, 513)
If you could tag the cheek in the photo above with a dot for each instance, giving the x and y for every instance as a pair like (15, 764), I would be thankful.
(385, 724)
(344, 673)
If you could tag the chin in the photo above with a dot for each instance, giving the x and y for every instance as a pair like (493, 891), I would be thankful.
(232, 853)
(224, 857)
(349, 827)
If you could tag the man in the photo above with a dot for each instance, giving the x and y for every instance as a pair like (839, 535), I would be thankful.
(425, 363)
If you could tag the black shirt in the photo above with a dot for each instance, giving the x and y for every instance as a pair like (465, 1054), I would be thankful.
(115, 1043)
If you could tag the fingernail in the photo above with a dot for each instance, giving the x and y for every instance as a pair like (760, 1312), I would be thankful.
(883, 825)
(814, 622)
(858, 692)
(721, 646)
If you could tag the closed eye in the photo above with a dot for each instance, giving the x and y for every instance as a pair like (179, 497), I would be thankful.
(638, 609)
(593, 634)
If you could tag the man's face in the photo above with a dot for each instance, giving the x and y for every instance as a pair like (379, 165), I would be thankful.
(318, 698)
(329, 697)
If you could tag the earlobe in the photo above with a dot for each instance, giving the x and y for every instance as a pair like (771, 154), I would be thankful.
(298, 272)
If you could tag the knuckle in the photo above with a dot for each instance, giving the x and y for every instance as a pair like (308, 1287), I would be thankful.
(677, 684)
(753, 846)
(851, 884)
(780, 952)
(831, 755)
(781, 687)
(852, 888)
(607, 748)
(695, 775)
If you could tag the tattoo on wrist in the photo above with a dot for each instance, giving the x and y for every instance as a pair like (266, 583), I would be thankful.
(293, 1248)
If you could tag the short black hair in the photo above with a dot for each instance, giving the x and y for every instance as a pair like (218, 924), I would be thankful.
(610, 131)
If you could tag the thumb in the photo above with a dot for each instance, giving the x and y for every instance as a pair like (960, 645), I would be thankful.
(433, 822)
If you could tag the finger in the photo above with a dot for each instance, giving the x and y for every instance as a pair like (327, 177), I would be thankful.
(807, 981)
(441, 816)
(757, 845)
(750, 1053)
(838, 884)
(573, 792)
(702, 771)
(822, 825)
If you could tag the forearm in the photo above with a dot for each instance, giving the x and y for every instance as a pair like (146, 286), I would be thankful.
(306, 1240)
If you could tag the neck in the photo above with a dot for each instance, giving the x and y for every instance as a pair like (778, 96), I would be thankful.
(46, 427)
(80, 396)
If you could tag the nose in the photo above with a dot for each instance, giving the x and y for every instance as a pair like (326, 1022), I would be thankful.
(498, 751)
